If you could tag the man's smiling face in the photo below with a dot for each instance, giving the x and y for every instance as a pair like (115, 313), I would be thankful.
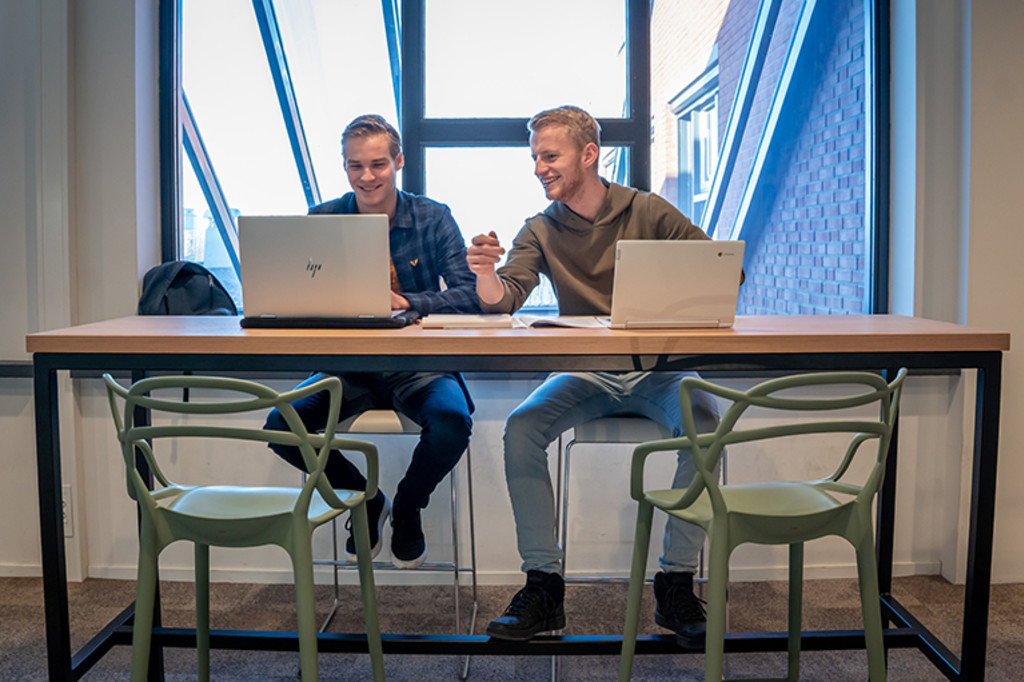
(371, 171)
(558, 163)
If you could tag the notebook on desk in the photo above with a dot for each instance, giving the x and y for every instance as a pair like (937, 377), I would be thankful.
(319, 271)
(675, 284)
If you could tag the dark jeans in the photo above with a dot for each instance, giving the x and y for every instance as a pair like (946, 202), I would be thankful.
(436, 402)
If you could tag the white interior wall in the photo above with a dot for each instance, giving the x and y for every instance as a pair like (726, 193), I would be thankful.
(995, 285)
(82, 193)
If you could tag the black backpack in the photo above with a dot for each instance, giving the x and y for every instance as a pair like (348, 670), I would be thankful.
(182, 287)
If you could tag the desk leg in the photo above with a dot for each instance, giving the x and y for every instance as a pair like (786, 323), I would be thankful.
(51, 526)
(983, 509)
(886, 516)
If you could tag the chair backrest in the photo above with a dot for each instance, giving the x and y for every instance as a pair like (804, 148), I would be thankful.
(207, 420)
(780, 396)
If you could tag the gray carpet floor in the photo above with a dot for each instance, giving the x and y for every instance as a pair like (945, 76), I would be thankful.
(590, 609)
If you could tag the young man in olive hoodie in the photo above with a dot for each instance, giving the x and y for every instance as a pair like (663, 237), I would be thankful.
(573, 243)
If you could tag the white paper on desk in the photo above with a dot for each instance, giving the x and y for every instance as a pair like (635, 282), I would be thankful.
(580, 321)
(434, 321)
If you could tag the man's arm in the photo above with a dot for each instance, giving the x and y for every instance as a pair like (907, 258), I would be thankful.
(506, 290)
(448, 249)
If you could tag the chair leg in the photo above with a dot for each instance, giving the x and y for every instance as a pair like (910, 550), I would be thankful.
(718, 582)
(637, 574)
(302, 566)
(145, 595)
(867, 573)
(796, 599)
(366, 586)
(202, 570)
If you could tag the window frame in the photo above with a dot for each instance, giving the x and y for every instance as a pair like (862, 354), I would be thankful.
(632, 131)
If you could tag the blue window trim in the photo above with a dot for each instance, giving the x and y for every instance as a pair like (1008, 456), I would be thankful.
(202, 164)
(270, 31)
(783, 96)
(753, 63)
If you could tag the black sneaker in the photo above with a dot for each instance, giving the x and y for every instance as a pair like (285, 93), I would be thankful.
(377, 510)
(538, 607)
(408, 546)
(679, 609)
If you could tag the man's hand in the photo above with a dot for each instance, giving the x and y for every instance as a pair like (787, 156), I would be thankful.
(482, 256)
(484, 253)
(399, 302)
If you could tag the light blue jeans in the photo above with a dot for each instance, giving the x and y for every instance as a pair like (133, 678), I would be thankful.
(565, 400)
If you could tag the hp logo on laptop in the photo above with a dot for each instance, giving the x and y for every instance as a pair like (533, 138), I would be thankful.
(313, 268)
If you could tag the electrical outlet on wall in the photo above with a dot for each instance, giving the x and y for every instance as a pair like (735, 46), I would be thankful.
(66, 509)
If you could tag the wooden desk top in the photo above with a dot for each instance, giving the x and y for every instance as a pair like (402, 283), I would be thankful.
(751, 334)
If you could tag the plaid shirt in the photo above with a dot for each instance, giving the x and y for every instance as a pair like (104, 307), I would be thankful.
(426, 246)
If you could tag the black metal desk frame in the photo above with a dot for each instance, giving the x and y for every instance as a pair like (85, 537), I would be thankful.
(905, 630)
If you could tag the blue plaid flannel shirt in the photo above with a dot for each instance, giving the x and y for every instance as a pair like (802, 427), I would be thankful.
(426, 246)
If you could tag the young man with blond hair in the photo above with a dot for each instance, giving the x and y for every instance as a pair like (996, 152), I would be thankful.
(572, 242)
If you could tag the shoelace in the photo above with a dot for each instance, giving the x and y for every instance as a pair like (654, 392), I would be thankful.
(685, 604)
(529, 599)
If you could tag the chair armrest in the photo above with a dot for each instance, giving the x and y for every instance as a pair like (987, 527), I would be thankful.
(640, 454)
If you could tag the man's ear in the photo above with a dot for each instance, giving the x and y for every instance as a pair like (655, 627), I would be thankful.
(399, 161)
(590, 154)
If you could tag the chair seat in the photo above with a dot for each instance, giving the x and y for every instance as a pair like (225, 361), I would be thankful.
(242, 513)
(777, 512)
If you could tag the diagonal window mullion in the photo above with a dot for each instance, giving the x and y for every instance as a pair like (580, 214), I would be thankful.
(270, 32)
(393, 32)
(208, 182)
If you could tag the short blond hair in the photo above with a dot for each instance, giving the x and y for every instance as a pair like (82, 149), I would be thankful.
(372, 124)
(583, 128)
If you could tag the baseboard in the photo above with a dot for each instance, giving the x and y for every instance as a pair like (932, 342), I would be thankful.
(21, 571)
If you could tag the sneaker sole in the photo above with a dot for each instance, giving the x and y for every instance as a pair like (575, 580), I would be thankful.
(411, 563)
(375, 550)
(556, 623)
(689, 642)
(686, 641)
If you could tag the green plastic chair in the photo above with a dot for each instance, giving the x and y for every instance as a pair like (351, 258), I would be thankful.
(236, 516)
(774, 513)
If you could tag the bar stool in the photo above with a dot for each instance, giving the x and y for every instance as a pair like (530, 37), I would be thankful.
(388, 423)
(623, 429)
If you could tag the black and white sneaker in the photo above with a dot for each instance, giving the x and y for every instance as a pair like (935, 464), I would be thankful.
(408, 546)
(679, 609)
(377, 510)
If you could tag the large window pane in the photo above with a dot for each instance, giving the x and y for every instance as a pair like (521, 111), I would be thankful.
(785, 167)
(500, 199)
(338, 59)
(513, 59)
(228, 84)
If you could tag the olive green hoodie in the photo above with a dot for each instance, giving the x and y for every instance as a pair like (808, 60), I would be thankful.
(578, 256)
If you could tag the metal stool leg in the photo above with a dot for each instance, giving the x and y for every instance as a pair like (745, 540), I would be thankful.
(457, 565)
(562, 534)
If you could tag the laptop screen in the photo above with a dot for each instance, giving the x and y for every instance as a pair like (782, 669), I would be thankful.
(664, 284)
(315, 266)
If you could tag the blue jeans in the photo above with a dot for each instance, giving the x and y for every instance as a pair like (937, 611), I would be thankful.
(566, 400)
(436, 402)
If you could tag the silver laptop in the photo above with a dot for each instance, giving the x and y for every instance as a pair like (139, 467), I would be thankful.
(670, 284)
(316, 271)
